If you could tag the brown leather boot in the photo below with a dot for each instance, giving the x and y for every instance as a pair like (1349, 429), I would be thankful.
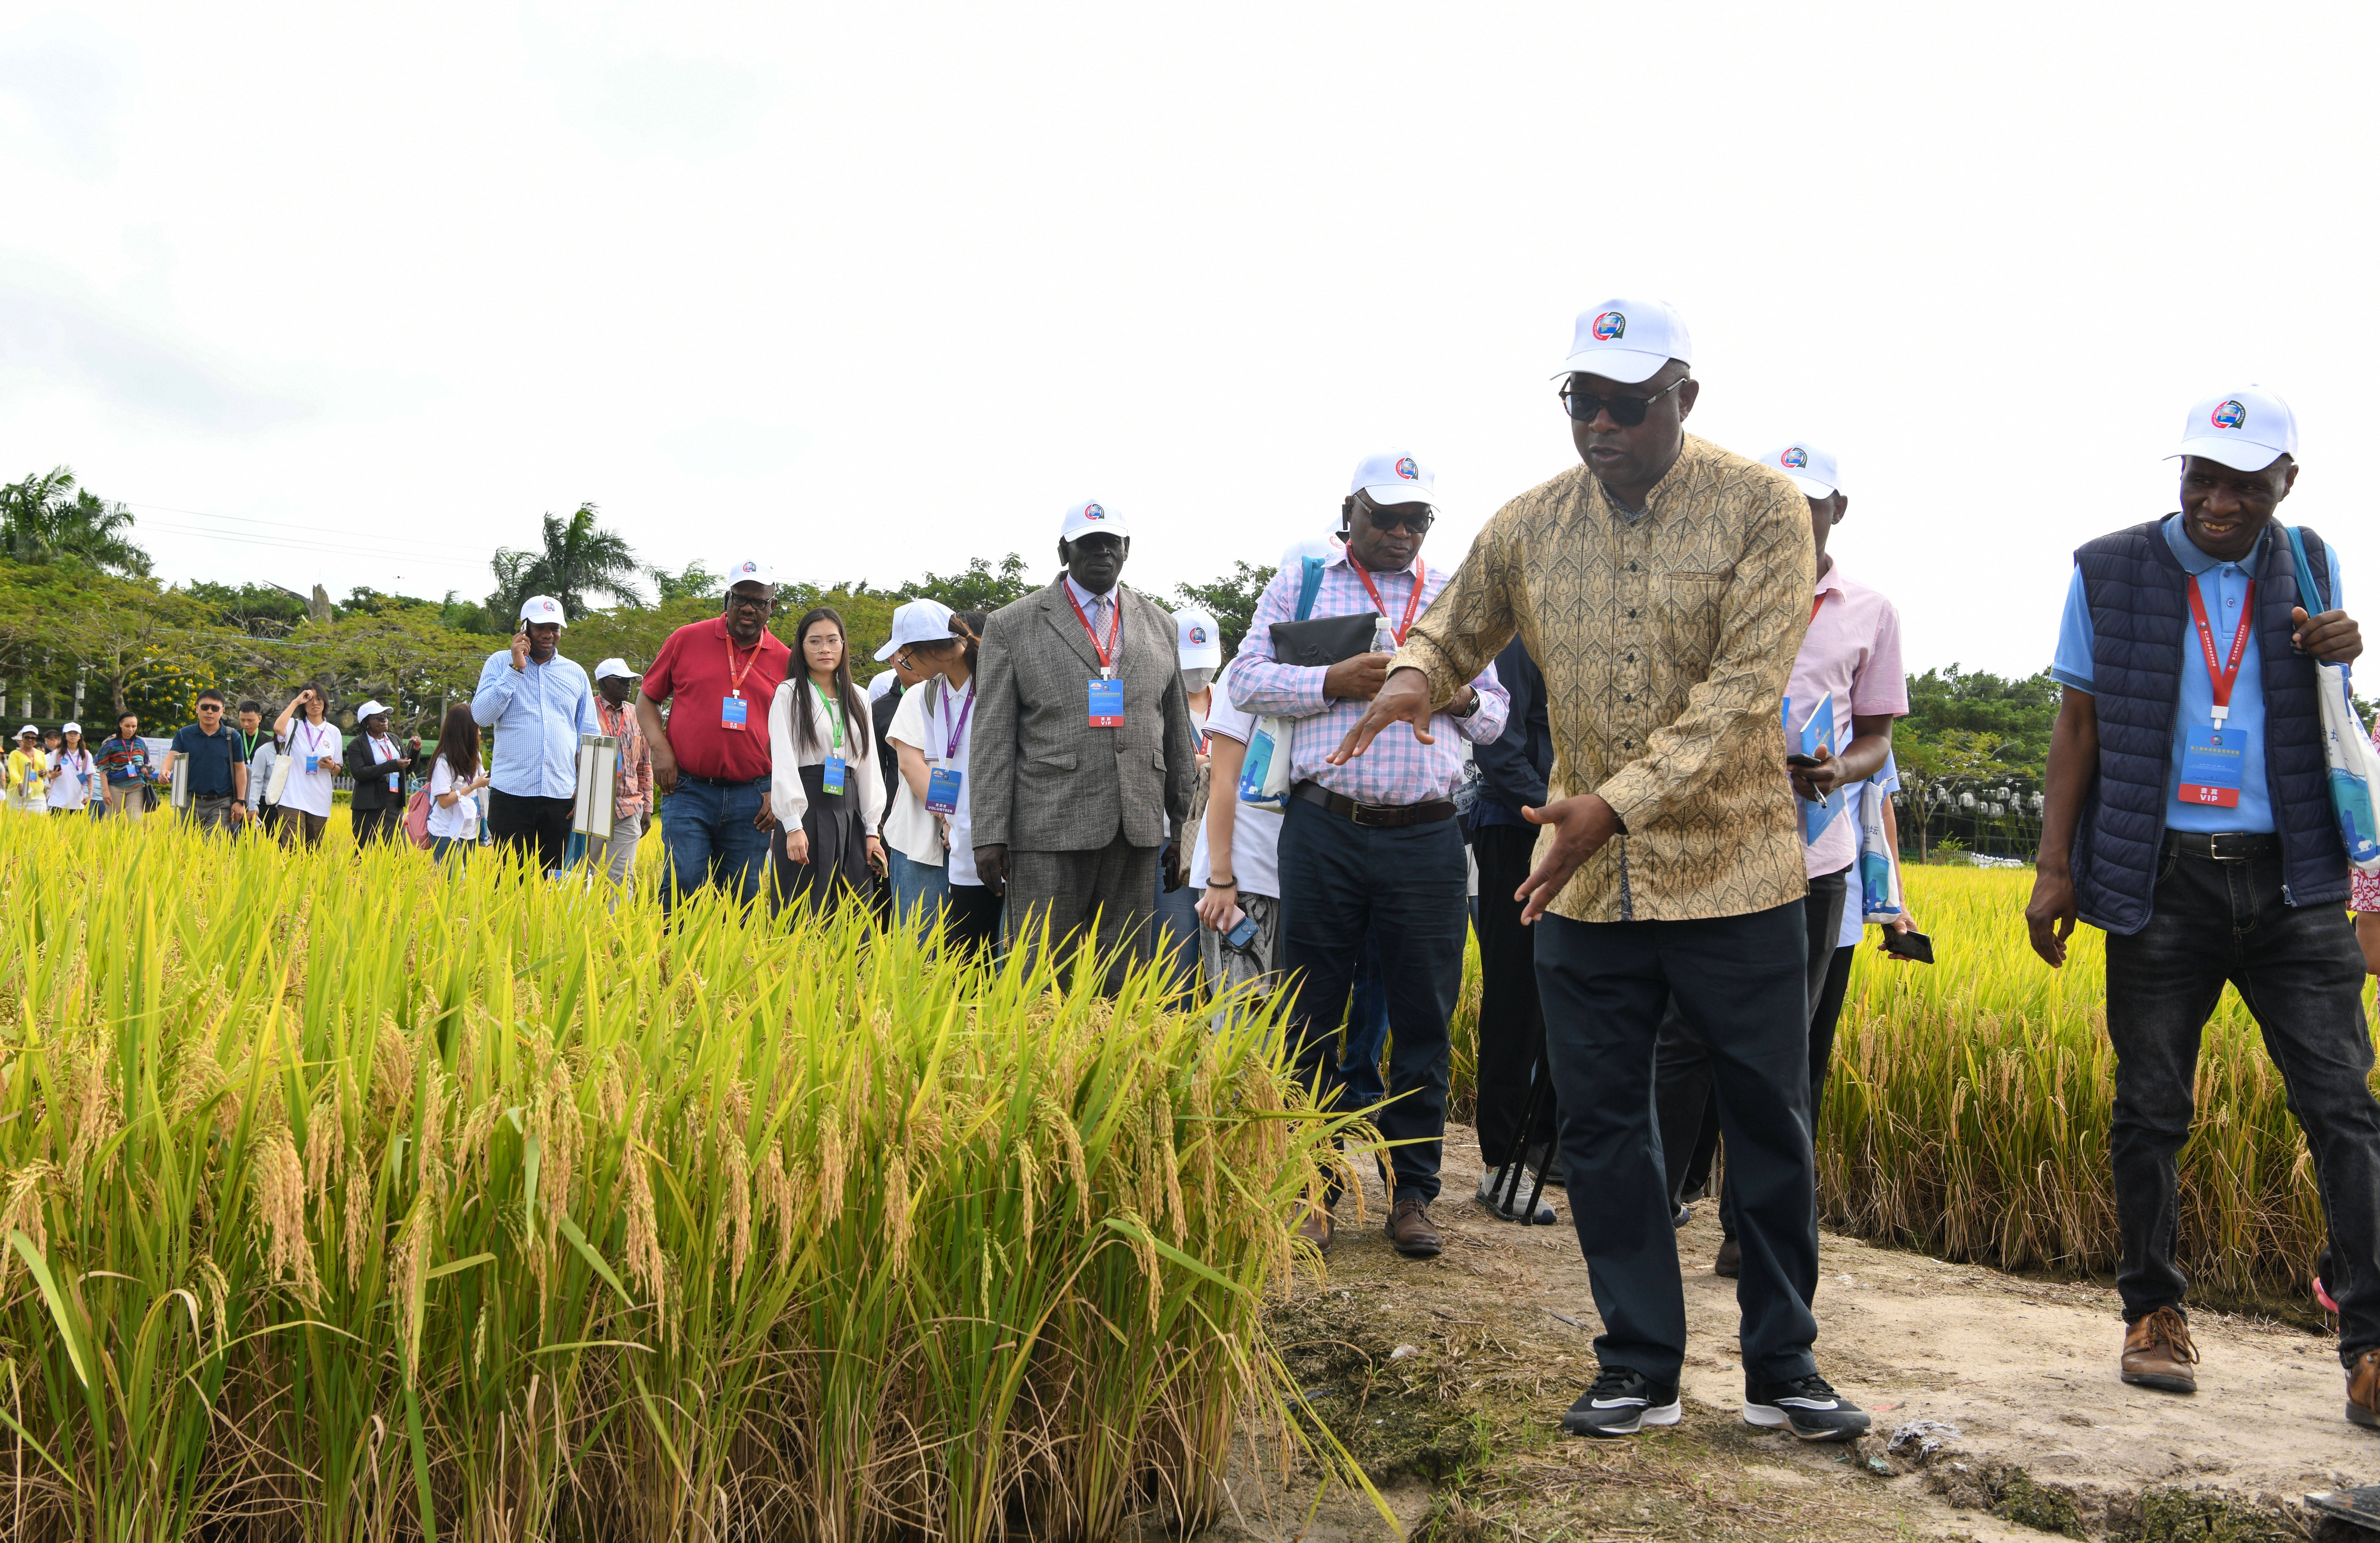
(2363, 1390)
(2157, 1352)
(1315, 1227)
(1410, 1230)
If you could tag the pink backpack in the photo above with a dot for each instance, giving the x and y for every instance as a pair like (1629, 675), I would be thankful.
(416, 815)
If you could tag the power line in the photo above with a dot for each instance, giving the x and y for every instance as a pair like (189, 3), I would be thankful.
(314, 531)
(342, 550)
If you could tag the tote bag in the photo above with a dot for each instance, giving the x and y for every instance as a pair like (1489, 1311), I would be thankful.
(1263, 774)
(2354, 766)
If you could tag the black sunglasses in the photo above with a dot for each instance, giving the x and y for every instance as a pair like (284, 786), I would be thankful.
(1414, 517)
(1626, 411)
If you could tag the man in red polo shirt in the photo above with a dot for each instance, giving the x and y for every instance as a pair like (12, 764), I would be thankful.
(711, 760)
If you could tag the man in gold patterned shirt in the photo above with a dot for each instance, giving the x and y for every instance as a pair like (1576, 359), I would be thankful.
(1663, 586)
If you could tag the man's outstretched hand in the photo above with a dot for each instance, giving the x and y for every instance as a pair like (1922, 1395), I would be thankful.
(1404, 699)
(1582, 824)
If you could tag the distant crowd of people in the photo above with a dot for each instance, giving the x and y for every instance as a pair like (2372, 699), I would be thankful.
(1638, 741)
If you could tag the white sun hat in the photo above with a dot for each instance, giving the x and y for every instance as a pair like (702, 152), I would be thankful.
(922, 620)
(2246, 430)
(1089, 518)
(1628, 341)
(1393, 478)
(1813, 469)
(540, 609)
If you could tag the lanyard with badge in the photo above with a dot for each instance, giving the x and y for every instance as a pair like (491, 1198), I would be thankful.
(315, 739)
(733, 706)
(2210, 764)
(387, 750)
(942, 782)
(831, 769)
(1412, 601)
(1107, 692)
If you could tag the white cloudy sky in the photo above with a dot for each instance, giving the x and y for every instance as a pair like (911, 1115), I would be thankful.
(350, 296)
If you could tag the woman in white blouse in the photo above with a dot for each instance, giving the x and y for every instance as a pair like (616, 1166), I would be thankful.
(932, 731)
(313, 748)
(824, 783)
(455, 778)
(74, 776)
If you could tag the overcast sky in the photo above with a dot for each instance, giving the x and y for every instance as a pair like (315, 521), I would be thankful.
(351, 296)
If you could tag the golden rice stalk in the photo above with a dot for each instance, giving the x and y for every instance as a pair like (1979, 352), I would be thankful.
(277, 1181)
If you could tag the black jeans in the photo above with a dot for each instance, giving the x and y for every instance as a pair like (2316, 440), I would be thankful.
(1406, 887)
(1681, 1075)
(370, 825)
(537, 826)
(1823, 1019)
(1741, 983)
(2301, 976)
(1512, 1024)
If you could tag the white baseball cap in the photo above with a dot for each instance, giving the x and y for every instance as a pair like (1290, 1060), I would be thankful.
(1201, 642)
(1393, 478)
(1813, 469)
(538, 609)
(1085, 520)
(921, 621)
(2246, 430)
(885, 681)
(71, 728)
(29, 729)
(371, 709)
(1628, 341)
(748, 572)
(615, 666)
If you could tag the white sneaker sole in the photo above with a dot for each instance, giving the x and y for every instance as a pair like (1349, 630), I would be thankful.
(1667, 1414)
(1769, 1416)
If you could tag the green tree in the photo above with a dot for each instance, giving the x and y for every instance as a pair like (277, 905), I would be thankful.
(578, 559)
(1936, 768)
(1232, 599)
(49, 520)
(978, 588)
(2019, 713)
(695, 582)
(259, 610)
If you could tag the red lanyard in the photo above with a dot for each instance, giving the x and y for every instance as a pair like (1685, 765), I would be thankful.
(2221, 676)
(1115, 626)
(1412, 601)
(735, 676)
(1815, 604)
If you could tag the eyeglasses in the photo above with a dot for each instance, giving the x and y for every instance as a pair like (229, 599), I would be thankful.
(1626, 411)
(211, 706)
(750, 602)
(1414, 517)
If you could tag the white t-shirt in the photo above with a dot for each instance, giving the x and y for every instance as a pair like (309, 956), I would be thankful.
(74, 776)
(1255, 833)
(927, 717)
(309, 792)
(462, 821)
(908, 828)
(384, 750)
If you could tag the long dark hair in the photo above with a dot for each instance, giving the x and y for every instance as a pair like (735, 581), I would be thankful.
(969, 625)
(856, 720)
(458, 743)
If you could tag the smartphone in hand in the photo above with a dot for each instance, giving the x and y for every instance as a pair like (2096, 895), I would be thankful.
(1910, 945)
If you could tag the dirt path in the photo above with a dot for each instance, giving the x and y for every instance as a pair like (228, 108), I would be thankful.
(1499, 1340)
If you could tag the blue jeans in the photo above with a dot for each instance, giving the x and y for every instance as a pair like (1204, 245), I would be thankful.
(449, 849)
(707, 838)
(1177, 922)
(1345, 887)
(919, 890)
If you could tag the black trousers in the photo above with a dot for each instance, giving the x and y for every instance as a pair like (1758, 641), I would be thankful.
(1512, 1024)
(1407, 888)
(538, 827)
(1823, 1019)
(370, 825)
(2301, 976)
(971, 919)
(1740, 980)
(1683, 1083)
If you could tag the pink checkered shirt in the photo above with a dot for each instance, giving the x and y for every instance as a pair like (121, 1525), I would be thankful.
(1398, 768)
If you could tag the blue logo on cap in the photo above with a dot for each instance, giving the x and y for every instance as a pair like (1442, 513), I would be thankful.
(1794, 459)
(1407, 469)
(1092, 511)
(2231, 415)
(1610, 325)
(1198, 635)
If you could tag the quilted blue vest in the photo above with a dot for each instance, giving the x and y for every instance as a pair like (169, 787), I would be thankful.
(2139, 618)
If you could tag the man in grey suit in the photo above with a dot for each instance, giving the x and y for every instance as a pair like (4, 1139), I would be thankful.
(1083, 748)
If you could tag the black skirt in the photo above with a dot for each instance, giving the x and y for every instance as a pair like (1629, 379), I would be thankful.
(838, 866)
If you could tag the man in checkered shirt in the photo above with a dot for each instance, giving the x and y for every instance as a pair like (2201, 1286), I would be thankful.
(1373, 846)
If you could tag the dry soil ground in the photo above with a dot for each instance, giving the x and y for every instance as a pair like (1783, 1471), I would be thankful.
(1462, 1430)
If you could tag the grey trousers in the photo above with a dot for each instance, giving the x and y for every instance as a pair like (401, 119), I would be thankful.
(617, 852)
(1104, 899)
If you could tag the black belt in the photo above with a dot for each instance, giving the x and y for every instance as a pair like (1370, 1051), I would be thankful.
(718, 782)
(1374, 815)
(2224, 847)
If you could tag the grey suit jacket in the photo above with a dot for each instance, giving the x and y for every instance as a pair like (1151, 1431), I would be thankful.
(1045, 780)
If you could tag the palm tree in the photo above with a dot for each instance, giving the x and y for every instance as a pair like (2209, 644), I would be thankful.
(49, 519)
(579, 561)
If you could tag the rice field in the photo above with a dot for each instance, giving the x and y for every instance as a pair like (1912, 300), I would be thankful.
(346, 1198)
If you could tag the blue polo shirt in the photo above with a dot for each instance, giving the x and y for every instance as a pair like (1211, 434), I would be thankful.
(2224, 589)
(209, 756)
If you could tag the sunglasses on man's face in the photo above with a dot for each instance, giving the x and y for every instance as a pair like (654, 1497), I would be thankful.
(1415, 518)
(209, 707)
(1626, 411)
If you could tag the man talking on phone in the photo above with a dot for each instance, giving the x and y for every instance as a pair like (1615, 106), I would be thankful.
(2187, 814)
(538, 703)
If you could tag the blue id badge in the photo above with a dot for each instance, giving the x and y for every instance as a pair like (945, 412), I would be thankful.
(1107, 704)
(391, 782)
(942, 790)
(830, 774)
(2210, 768)
(732, 710)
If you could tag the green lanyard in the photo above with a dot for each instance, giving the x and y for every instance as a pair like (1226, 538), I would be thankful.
(834, 715)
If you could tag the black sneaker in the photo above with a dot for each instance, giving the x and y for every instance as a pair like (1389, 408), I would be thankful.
(1622, 1404)
(1683, 1215)
(1807, 1406)
(1730, 1262)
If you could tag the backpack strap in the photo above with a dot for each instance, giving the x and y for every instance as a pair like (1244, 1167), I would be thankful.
(1308, 586)
(2307, 590)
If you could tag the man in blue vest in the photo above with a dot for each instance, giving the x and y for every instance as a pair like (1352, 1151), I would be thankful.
(2188, 815)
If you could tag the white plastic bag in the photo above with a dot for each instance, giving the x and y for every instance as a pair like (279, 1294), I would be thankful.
(2354, 766)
